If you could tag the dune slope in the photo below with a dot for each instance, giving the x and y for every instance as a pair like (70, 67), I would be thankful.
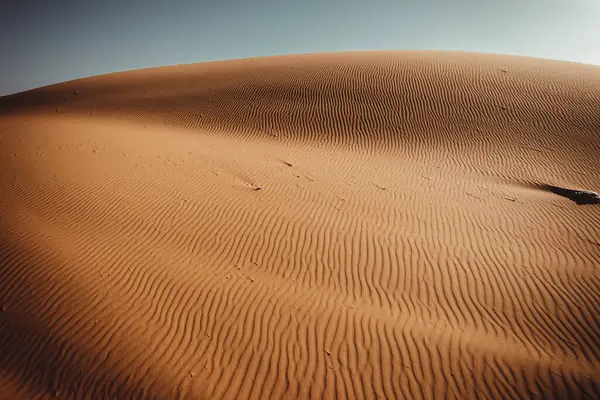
(352, 225)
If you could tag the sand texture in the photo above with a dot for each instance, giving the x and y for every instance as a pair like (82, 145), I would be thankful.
(351, 225)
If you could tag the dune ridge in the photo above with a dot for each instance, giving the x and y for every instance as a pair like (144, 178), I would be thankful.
(354, 225)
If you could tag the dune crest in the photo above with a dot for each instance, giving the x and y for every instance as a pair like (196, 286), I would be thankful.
(351, 225)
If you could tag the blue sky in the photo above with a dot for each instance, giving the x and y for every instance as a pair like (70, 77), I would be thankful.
(44, 42)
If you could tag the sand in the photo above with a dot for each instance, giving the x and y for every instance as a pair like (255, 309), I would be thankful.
(350, 225)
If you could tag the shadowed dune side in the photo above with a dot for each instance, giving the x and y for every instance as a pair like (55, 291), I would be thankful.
(37, 356)
(400, 245)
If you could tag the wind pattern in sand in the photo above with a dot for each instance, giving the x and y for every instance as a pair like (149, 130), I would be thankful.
(353, 225)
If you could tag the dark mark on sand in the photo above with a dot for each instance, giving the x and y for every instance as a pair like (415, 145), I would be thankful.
(579, 196)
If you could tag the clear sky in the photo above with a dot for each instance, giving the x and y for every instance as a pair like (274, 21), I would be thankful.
(48, 41)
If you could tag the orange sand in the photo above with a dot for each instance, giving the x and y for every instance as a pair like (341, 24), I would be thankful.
(399, 246)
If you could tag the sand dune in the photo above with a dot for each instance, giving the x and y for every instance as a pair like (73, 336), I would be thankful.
(353, 225)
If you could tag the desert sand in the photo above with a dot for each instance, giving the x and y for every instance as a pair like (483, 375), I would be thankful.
(346, 225)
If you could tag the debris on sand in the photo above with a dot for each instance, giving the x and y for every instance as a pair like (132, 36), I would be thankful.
(579, 196)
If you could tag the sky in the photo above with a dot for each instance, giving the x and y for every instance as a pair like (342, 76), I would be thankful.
(44, 41)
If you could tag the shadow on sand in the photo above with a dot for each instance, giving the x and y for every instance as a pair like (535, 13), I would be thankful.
(581, 197)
